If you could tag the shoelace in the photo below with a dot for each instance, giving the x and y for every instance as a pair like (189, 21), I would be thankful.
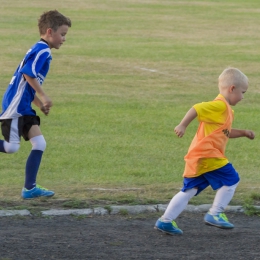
(222, 215)
(40, 187)
(174, 224)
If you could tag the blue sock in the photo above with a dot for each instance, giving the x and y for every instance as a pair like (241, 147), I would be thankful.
(31, 168)
(2, 149)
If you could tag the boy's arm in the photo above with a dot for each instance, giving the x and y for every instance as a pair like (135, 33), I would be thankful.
(46, 101)
(180, 129)
(235, 133)
(39, 104)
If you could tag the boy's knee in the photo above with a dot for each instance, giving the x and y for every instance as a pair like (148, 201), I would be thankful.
(11, 147)
(38, 143)
(233, 187)
(191, 192)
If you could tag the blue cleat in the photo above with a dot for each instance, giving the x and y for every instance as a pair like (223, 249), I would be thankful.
(170, 228)
(36, 192)
(220, 221)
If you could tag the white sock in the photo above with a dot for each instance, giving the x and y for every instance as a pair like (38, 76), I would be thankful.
(178, 204)
(222, 199)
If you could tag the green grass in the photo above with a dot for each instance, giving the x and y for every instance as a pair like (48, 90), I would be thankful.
(123, 80)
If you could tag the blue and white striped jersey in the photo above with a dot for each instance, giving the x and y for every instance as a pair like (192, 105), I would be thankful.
(19, 94)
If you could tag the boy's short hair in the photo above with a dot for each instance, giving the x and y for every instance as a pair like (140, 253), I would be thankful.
(232, 77)
(52, 19)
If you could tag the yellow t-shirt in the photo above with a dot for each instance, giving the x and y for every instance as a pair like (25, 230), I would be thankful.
(213, 114)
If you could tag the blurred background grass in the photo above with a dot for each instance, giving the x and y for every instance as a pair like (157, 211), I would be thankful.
(125, 77)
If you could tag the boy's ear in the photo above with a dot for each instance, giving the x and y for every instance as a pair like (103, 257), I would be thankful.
(49, 31)
(231, 88)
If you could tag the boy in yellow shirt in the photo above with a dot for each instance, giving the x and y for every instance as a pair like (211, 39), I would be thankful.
(206, 163)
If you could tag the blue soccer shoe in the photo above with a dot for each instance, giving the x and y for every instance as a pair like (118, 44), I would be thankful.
(220, 220)
(36, 192)
(170, 228)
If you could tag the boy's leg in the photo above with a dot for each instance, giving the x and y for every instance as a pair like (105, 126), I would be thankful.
(31, 190)
(223, 196)
(191, 187)
(178, 204)
(6, 147)
(34, 160)
(2, 149)
(215, 216)
(10, 131)
(225, 180)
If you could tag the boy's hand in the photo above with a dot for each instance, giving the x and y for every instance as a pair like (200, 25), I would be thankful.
(179, 130)
(181, 127)
(45, 110)
(47, 103)
(250, 134)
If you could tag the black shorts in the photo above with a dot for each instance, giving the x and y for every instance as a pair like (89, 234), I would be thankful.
(13, 129)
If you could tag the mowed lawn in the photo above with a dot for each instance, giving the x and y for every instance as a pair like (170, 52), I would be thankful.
(126, 75)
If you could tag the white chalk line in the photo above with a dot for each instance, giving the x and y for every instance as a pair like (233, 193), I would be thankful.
(153, 71)
(141, 68)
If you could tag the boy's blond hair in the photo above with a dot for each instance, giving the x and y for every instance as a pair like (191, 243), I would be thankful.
(232, 77)
(52, 19)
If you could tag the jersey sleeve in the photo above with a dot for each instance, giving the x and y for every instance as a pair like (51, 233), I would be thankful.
(211, 112)
(34, 62)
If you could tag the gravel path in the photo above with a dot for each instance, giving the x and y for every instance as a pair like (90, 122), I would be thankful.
(126, 237)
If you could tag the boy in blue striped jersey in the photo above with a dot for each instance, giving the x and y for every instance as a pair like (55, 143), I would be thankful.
(18, 117)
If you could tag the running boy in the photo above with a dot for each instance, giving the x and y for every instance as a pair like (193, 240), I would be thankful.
(206, 163)
(18, 118)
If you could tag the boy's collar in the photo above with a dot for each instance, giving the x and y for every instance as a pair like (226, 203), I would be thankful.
(44, 41)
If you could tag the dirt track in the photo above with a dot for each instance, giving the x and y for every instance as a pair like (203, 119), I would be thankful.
(129, 237)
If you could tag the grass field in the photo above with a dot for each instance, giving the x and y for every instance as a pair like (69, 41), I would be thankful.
(127, 74)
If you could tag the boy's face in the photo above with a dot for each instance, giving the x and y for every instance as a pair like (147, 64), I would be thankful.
(56, 38)
(236, 94)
